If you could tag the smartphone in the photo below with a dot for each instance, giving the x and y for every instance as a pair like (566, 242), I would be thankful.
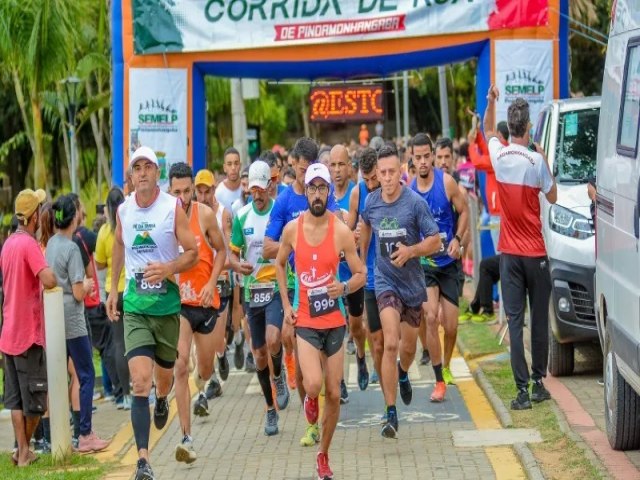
(100, 209)
(532, 147)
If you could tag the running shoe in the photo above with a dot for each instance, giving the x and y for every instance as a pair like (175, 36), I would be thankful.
(344, 393)
(126, 402)
(238, 355)
(465, 317)
(223, 367)
(363, 373)
(214, 389)
(120, 403)
(311, 436)
(448, 376)
(438, 392)
(250, 363)
(143, 470)
(374, 379)
(390, 429)
(271, 422)
(539, 393)
(201, 406)
(406, 392)
(351, 347)
(161, 412)
(322, 467)
(486, 318)
(184, 450)
(311, 409)
(522, 401)
(91, 443)
(41, 446)
(384, 417)
(282, 392)
(290, 366)
(426, 358)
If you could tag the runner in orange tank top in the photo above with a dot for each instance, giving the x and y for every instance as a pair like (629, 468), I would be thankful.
(317, 240)
(200, 302)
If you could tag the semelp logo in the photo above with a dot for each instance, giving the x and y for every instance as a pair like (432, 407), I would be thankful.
(523, 83)
(156, 115)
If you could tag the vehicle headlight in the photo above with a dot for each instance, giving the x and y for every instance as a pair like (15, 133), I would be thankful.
(570, 223)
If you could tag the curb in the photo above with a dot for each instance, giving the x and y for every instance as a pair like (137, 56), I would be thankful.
(523, 452)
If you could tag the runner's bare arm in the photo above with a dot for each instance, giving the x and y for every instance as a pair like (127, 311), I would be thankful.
(286, 247)
(425, 248)
(226, 229)
(270, 248)
(365, 241)
(117, 264)
(352, 218)
(217, 242)
(490, 113)
(358, 269)
(239, 266)
(47, 278)
(459, 200)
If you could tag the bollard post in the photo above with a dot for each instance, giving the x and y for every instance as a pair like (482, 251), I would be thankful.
(56, 350)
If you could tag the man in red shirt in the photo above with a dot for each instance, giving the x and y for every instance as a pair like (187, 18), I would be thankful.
(22, 338)
(522, 173)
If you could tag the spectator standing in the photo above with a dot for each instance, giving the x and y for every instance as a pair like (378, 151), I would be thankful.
(363, 136)
(524, 267)
(22, 341)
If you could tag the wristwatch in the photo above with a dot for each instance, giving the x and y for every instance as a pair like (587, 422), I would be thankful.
(457, 238)
(346, 289)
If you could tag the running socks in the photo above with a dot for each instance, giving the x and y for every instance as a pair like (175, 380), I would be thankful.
(141, 421)
(277, 363)
(392, 409)
(402, 374)
(265, 384)
(46, 428)
(437, 369)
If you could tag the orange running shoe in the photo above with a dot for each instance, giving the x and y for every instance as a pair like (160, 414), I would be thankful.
(438, 392)
(290, 365)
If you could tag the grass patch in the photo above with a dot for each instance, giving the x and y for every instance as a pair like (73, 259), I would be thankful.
(479, 340)
(559, 455)
(78, 467)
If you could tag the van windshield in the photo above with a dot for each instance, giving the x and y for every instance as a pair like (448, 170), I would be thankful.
(577, 146)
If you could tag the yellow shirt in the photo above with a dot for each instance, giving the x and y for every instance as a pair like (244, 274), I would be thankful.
(104, 255)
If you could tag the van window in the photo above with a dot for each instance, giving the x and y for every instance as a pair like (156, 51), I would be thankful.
(540, 125)
(577, 146)
(630, 114)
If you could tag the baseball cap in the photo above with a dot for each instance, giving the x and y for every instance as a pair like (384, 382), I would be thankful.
(205, 177)
(26, 203)
(142, 153)
(317, 170)
(259, 175)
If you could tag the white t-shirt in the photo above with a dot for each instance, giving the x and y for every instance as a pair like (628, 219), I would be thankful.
(226, 196)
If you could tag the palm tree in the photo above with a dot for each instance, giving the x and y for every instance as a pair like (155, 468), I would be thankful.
(36, 50)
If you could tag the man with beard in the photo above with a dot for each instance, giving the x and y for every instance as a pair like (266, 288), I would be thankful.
(404, 231)
(261, 294)
(441, 270)
(200, 303)
(317, 240)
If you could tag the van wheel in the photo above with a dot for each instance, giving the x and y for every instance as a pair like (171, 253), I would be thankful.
(621, 405)
(560, 354)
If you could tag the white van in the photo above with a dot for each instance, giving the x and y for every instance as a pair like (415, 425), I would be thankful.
(567, 130)
(618, 228)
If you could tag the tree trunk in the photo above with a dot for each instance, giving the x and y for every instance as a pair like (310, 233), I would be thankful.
(65, 136)
(39, 168)
(23, 110)
(304, 107)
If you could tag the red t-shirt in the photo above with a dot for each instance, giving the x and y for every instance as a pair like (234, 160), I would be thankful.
(521, 175)
(21, 261)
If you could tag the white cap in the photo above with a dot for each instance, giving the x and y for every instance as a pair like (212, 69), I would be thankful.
(317, 170)
(259, 175)
(143, 153)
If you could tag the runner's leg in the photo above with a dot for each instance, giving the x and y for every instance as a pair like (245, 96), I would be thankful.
(390, 319)
(333, 371)
(450, 324)
(183, 395)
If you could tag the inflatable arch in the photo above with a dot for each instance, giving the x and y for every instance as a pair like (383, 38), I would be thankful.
(163, 49)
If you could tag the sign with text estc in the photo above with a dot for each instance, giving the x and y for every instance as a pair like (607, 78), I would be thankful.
(208, 25)
(346, 104)
(524, 68)
(158, 114)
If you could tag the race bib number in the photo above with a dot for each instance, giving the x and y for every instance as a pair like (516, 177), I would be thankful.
(260, 294)
(320, 303)
(390, 239)
(445, 245)
(143, 287)
(224, 287)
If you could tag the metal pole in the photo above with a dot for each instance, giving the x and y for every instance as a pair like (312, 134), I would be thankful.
(74, 169)
(396, 95)
(57, 374)
(405, 105)
(239, 121)
(444, 104)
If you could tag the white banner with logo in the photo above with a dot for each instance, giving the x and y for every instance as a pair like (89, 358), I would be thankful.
(523, 68)
(204, 25)
(158, 114)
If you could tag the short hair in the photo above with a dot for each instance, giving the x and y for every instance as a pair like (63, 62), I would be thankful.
(420, 140)
(289, 172)
(306, 148)
(444, 142)
(518, 117)
(376, 143)
(387, 151)
(231, 151)
(367, 157)
(503, 128)
(269, 158)
(180, 170)
(463, 151)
